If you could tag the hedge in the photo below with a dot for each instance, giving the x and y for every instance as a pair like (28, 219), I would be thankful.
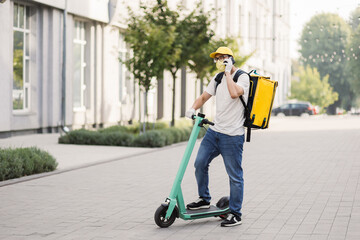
(123, 136)
(15, 163)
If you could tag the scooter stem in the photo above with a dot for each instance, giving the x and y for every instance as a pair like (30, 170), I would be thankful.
(176, 189)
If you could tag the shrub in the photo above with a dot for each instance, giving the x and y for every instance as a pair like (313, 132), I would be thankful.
(169, 137)
(177, 133)
(135, 128)
(117, 139)
(20, 162)
(152, 138)
(127, 136)
(186, 133)
(83, 136)
(115, 129)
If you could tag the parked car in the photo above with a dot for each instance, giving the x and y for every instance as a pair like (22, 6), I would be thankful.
(294, 109)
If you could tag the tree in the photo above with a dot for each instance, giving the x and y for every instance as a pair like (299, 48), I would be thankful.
(355, 19)
(151, 45)
(161, 16)
(353, 63)
(353, 54)
(200, 44)
(310, 87)
(323, 43)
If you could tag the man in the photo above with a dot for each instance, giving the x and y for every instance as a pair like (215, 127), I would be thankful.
(226, 137)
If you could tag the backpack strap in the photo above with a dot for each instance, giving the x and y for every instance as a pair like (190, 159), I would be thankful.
(247, 123)
(218, 79)
(247, 119)
(220, 75)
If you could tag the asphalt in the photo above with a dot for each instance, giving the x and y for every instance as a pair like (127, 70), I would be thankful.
(301, 182)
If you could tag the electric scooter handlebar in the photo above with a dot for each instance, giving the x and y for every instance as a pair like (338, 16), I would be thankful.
(204, 121)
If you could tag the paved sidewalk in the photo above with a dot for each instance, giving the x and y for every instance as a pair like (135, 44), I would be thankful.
(301, 182)
(68, 155)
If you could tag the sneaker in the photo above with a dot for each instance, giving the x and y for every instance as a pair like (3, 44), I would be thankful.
(198, 204)
(231, 220)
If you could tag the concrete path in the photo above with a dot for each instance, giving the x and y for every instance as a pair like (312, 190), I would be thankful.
(301, 182)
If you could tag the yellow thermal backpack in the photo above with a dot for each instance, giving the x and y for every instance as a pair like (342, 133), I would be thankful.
(260, 101)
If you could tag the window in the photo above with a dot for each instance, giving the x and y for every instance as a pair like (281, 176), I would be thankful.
(79, 65)
(122, 68)
(21, 57)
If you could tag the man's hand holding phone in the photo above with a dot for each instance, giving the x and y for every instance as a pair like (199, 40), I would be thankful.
(228, 65)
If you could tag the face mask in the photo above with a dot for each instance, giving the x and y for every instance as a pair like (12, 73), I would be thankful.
(220, 66)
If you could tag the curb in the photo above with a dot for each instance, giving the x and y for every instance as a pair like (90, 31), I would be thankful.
(56, 172)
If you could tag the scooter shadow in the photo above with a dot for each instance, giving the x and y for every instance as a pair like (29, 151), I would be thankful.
(196, 223)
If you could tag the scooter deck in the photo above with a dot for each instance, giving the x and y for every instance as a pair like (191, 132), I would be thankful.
(205, 212)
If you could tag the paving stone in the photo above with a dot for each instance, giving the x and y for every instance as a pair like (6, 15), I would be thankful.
(300, 183)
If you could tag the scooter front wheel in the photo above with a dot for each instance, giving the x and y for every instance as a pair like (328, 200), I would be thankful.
(160, 219)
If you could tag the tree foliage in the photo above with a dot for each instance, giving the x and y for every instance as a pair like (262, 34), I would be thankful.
(312, 88)
(162, 39)
(151, 45)
(355, 19)
(198, 48)
(323, 44)
(353, 64)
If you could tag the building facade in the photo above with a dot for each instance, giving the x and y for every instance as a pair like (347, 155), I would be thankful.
(60, 62)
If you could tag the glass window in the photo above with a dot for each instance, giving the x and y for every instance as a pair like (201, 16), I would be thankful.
(79, 65)
(16, 16)
(21, 57)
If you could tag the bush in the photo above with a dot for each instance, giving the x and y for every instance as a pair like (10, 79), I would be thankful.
(117, 139)
(186, 133)
(169, 137)
(115, 129)
(152, 138)
(127, 136)
(84, 137)
(15, 163)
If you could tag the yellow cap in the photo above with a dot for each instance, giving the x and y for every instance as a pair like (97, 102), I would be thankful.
(222, 50)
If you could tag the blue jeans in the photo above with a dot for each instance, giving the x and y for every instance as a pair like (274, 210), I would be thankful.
(230, 148)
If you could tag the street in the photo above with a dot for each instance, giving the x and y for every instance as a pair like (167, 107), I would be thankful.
(301, 182)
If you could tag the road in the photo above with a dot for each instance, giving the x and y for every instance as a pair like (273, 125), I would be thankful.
(301, 182)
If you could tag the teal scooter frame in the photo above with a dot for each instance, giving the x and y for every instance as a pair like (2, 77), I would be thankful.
(174, 206)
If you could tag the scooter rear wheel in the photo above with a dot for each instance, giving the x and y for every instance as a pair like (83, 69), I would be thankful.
(160, 219)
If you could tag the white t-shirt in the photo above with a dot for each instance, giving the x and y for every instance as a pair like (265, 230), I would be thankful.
(229, 117)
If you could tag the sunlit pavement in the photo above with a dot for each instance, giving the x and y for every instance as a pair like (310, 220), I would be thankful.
(301, 182)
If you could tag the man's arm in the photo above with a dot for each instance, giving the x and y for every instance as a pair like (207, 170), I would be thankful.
(200, 101)
(234, 89)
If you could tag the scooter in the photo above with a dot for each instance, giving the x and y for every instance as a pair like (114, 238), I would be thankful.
(174, 206)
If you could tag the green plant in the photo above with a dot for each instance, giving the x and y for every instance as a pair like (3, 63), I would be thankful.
(116, 128)
(152, 138)
(15, 163)
(117, 139)
(311, 87)
(160, 136)
(323, 42)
